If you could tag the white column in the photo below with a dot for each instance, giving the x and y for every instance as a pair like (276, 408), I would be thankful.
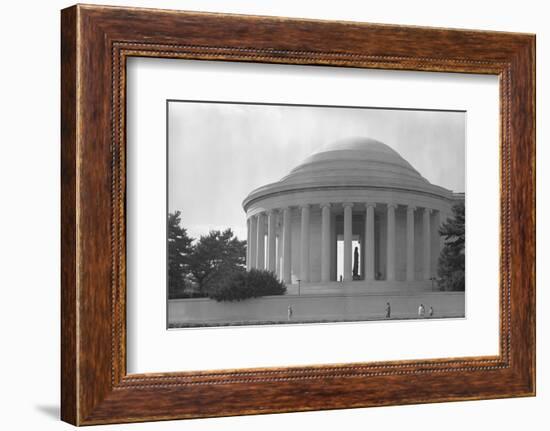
(286, 246)
(347, 241)
(304, 245)
(271, 249)
(410, 243)
(427, 270)
(325, 242)
(369, 241)
(260, 242)
(391, 243)
(279, 253)
(253, 239)
(248, 244)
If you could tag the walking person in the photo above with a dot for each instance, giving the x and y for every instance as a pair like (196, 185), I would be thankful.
(421, 310)
(290, 312)
(431, 311)
(388, 310)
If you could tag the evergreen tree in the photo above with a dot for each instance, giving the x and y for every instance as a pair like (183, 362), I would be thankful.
(216, 257)
(179, 253)
(451, 264)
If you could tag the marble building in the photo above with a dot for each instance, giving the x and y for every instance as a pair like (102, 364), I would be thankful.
(354, 212)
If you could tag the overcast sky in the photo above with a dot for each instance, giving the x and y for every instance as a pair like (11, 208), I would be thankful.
(218, 153)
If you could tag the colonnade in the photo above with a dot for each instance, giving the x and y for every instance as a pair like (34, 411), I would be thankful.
(264, 256)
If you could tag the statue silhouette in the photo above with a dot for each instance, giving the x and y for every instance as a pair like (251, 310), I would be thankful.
(355, 263)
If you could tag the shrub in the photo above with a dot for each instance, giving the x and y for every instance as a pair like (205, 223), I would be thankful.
(455, 281)
(249, 284)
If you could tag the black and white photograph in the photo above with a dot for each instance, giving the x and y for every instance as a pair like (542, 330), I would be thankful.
(289, 214)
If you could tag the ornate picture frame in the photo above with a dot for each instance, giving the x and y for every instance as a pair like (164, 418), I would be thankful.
(96, 41)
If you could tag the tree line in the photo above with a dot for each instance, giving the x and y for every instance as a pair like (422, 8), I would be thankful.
(214, 265)
(195, 267)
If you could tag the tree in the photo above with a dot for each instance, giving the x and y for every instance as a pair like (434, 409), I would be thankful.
(179, 253)
(451, 264)
(216, 257)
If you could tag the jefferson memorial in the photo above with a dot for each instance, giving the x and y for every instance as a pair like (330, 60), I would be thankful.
(355, 212)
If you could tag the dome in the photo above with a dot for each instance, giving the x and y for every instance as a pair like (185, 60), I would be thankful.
(352, 163)
(364, 162)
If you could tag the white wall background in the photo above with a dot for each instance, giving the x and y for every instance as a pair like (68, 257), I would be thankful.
(29, 216)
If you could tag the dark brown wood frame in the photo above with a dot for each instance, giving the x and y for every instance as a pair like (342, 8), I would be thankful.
(95, 43)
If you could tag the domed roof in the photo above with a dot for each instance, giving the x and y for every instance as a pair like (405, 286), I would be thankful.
(355, 162)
